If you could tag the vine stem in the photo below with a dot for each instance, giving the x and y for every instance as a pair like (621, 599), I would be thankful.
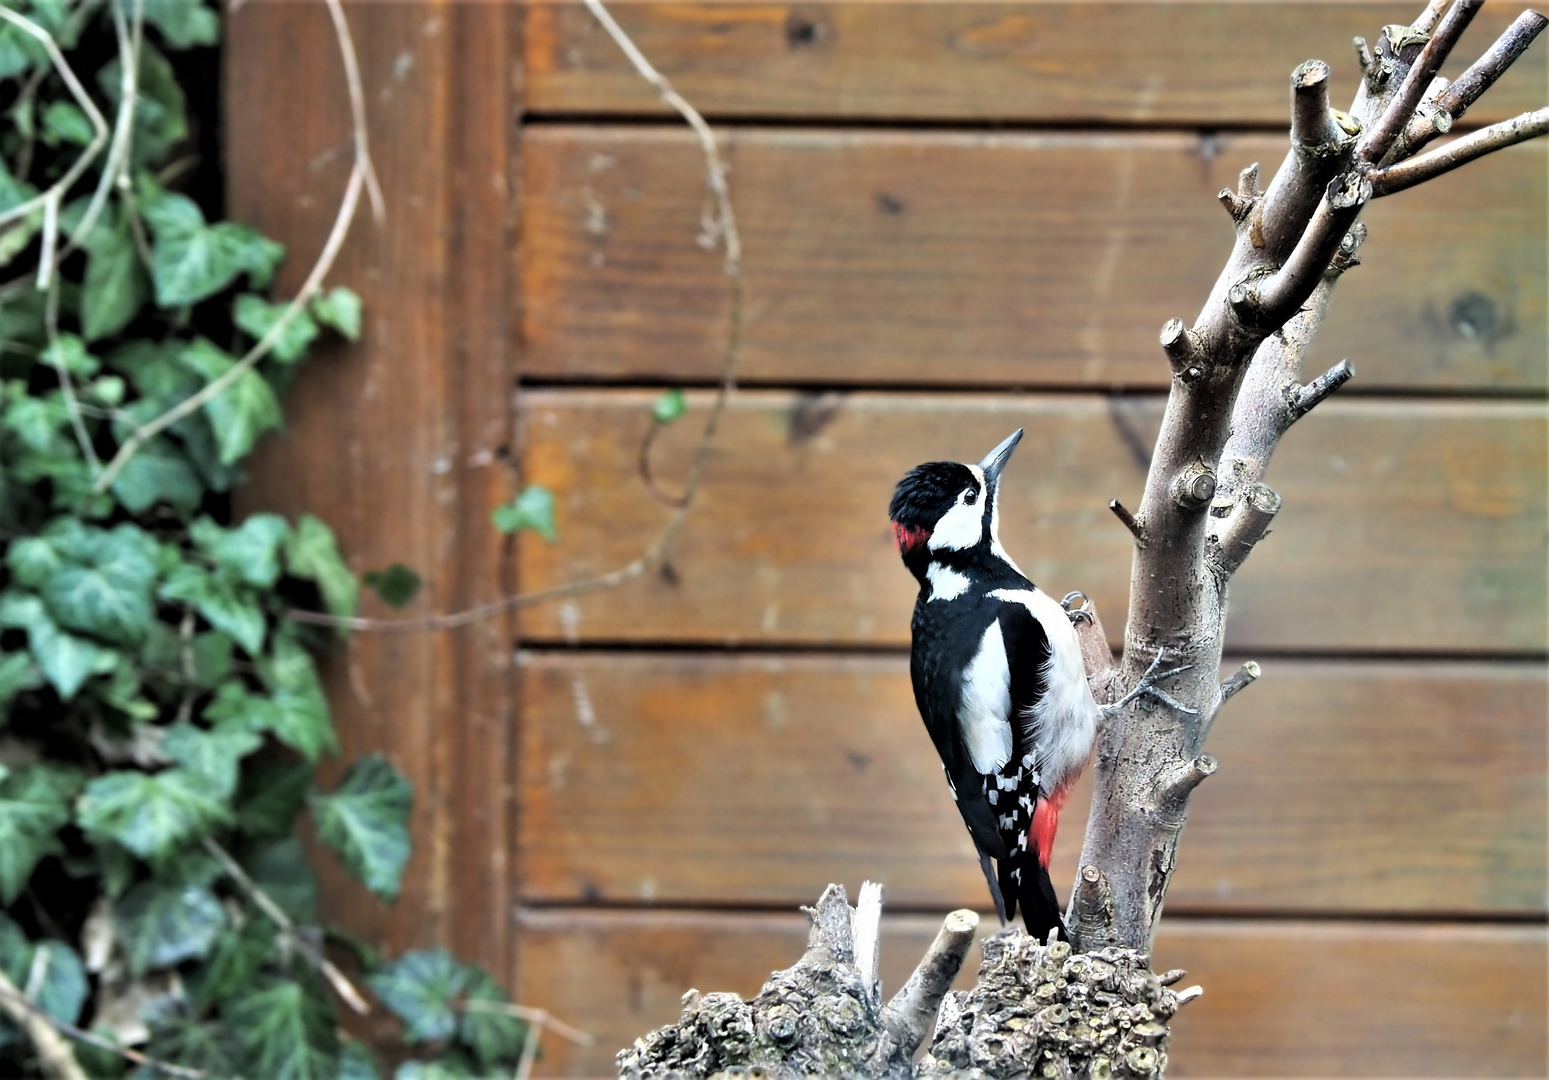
(656, 554)
(362, 175)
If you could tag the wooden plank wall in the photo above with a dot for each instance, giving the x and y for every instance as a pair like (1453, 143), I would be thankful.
(958, 218)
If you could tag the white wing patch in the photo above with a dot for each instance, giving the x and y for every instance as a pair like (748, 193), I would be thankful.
(1066, 714)
(984, 710)
(945, 583)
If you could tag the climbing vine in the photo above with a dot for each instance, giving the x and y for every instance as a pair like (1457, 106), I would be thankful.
(161, 717)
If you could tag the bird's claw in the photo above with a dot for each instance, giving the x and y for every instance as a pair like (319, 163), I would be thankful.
(1082, 613)
(1148, 687)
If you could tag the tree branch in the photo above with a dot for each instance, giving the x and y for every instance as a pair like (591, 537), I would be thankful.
(1458, 152)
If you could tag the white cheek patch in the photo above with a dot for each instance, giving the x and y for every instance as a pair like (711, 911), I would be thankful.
(945, 583)
(1066, 714)
(962, 526)
(983, 711)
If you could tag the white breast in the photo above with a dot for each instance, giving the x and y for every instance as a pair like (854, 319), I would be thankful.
(1066, 715)
(984, 710)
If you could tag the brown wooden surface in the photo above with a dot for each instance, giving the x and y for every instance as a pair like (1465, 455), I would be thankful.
(399, 443)
(1004, 259)
(1199, 64)
(1281, 998)
(759, 779)
(1407, 525)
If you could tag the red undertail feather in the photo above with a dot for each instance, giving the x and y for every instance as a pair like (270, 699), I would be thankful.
(1046, 822)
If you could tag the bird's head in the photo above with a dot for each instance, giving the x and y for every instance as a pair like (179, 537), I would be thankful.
(943, 506)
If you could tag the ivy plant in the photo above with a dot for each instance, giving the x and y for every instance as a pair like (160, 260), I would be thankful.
(160, 717)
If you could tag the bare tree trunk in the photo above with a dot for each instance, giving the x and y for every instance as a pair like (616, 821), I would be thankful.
(1235, 392)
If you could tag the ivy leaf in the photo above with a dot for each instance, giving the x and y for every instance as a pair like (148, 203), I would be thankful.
(450, 1066)
(191, 260)
(280, 869)
(203, 1043)
(287, 1032)
(158, 473)
(670, 407)
(212, 658)
(532, 509)
(152, 816)
(257, 316)
(102, 585)
(340, 309)
(270, 796)
(50, 969)
(160, 924)
(182, 23)
(69, 352)
(240, 413)
(226, 605)
(497, 1038)
(66, 661)
(249, 552)
(298, 718)
(19, 51)
(115, 286)
(215, 755)
(34, 805)
(366, 820)
(65, 123)
(231, 965)
(356, 1064)
(17, 674)
(312, 553)
(161, 111)
(422, 989)
(397, 585)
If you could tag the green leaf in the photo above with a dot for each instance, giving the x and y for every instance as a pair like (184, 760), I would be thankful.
(226, 605)
(450, 1066)
(295, 710)
(201, 1043)
(212, 658)
(355, 1063)
(249, 552)
(19, 51)
(270, 796)
(287, 1032)
(670, 407)
(339, 309)
(182, 23)
(161, 111)
(158, 473)
(65, 123)
(67, 661)
(497, 1038)
(280, 869)
(366, 821)
(397, 585)
(102, 585)
(312, 553)
(215, 755)
(115, 285)
(69, 351)
(159, 925)
(532, 509)
(18, 673)
(34, 805)
(422, 989)
(240, 413)
(257, 316)
(232, 963)
(38, 421)
(152, 816)
(191, 260)
(50, 969)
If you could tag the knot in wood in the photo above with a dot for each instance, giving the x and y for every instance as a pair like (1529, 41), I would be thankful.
(1194, 487)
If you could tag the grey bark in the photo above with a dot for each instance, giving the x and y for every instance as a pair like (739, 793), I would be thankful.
(1235, 392)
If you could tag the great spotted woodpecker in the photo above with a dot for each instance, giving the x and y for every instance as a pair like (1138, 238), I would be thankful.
(998, 678)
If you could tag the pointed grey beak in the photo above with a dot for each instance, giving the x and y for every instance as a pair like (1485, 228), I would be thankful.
(996, 459)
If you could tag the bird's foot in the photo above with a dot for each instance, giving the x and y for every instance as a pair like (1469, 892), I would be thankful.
(1077, 614)
(1149, 686)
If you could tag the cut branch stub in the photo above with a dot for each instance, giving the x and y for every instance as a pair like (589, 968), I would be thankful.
(1241, 678)
(1193, 487)
(1312, 123)
(1174, 786)
(911, 1014)
(1246, 527)
(1306, 398)
(1182, 347)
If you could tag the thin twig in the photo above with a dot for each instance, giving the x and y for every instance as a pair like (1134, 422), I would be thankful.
(265, 903)
(656, 554)
(529, 1051)
(541, 1017)
(66, 385)
(56, 1056)
(647, 475)
(1443, 159)
(341, 29)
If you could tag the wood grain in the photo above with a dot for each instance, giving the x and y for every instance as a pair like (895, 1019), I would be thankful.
(1407, 524)
(759, 779)
(1205, 64)
(398, 442)
(1281, 998)
(1005, 259)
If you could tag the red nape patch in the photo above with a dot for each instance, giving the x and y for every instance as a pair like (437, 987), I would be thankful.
(1046, 822)
(908, 538)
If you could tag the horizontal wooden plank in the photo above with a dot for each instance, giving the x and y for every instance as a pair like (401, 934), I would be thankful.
(1281, 999)
(1166, 63)
(757, 780)
(1008, 259)
(1407, 525)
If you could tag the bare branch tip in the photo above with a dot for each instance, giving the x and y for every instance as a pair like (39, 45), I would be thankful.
(1191, 994)
(1240, 679)
(1135, 528)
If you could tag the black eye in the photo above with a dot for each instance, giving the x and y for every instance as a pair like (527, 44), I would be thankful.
(972, 497)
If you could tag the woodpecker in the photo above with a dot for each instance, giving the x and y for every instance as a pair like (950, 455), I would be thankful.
(998, 678)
